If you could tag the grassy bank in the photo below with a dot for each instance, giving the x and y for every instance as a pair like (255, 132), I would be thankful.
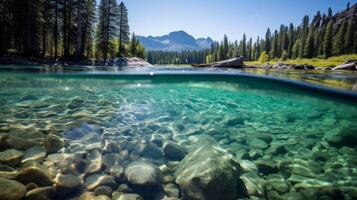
(329, 62)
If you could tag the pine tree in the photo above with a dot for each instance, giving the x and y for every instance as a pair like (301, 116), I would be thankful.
(106, 28)
(267, 41)
(349, 38)
(327, 44)
(274, 46)
(338, 41)
(296, 49)
(309, 45)
(123, 29)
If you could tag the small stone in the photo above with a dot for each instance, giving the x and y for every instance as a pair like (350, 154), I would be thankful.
(276, 182)
(11, 190)
(265, 137)
(143, 174)
(234, 122)
(35, 153)
(111, 159)
(258, 144)
(11, 157)
(95, 158)
(266, 167)
(157, 139)
(124, 188)
(128, 197)
(103, 190)
(7, 172)
(168, 179)
(172, 190)
(174, 151)
(36, 173)
(117, 171)
(53, 143)
(150, 151)
(42, 193)
(252, 184)
(97, 180)
(67, 184)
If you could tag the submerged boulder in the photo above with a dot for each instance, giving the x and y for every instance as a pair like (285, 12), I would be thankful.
(174, 151)
(11, 190)
(143, 174)
(340, 138)
(207, 172)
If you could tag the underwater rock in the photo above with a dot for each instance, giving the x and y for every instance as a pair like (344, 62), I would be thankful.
(258, 144)
(96, 180)
(149, 151)
(345, 137)
(7, 172)
(35, 173)
(124, 188)
(95, 159)
(117, 171)
(157, 139)
(251, 185)
(41, 193)
(127, 197)
(143, 174)
(103, 190)
(276, 182)
(112, 159)
(22, 138)
(35, 153)
(11, 190)
(67, 184)
(205, 167)
(53, 143)
(235, 121)
(172, 190)
(11, 157)
(174, 151)
(266, 167)
(265, 137)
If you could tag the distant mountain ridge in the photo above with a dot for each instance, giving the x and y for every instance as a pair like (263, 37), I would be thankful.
(175, 41)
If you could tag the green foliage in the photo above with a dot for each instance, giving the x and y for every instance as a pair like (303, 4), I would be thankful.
(338, 41)
(123, 28)
(264, 57)
(327, 44)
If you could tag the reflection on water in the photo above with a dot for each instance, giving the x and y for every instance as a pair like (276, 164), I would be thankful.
(337, 79)
(160, 136)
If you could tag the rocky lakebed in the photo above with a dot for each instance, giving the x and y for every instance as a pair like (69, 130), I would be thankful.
(102, 139)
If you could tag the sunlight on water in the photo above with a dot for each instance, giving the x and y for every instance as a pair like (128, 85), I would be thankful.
(294, 139)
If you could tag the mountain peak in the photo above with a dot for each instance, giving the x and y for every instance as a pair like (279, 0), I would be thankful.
(175, 41)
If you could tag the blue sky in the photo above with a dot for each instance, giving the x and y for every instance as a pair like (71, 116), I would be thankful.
(214, 18)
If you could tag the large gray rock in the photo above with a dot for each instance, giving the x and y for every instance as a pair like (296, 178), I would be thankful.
(11, 190)
(207, 172)
(143, 174)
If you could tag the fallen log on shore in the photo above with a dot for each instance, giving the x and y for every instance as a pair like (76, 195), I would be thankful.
(230, 63)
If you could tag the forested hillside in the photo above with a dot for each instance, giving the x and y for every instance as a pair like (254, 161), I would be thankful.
(322, 36)
(68, 29)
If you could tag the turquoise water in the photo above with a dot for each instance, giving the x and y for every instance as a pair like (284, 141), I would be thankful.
(300, 142)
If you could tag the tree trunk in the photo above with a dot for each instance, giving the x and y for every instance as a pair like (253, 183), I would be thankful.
(79, 50)
(56, 29)
(65, 51)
